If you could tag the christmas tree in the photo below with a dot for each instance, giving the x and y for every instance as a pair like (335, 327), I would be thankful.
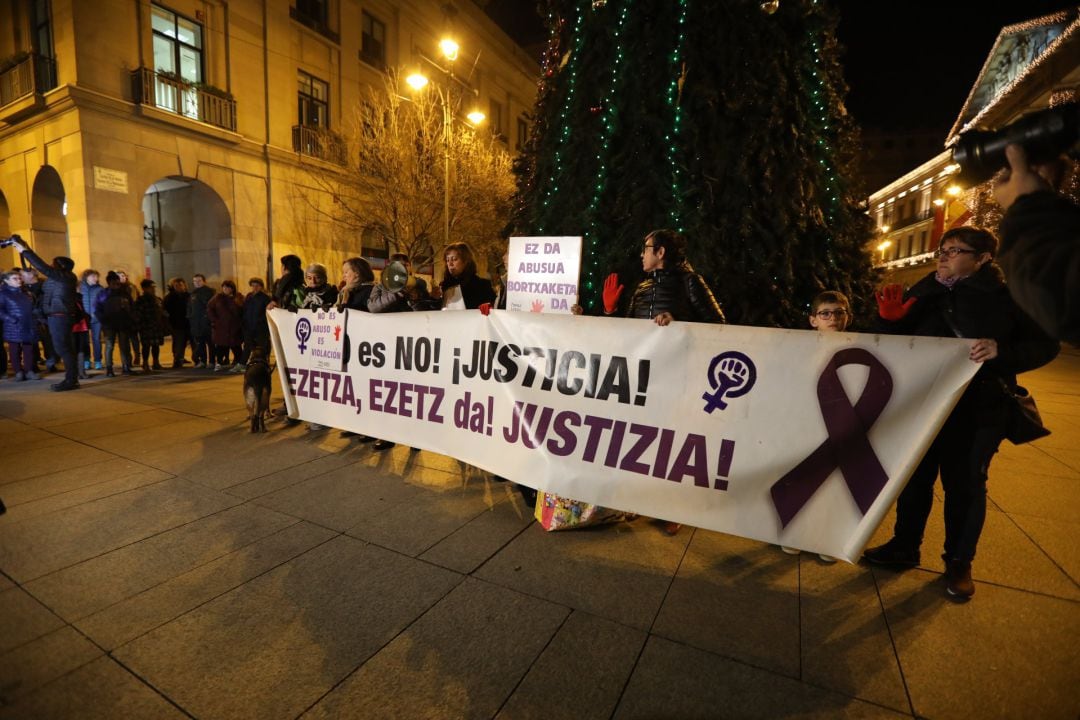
(723, 119)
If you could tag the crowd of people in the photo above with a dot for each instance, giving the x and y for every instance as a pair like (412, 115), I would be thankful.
(53, 318)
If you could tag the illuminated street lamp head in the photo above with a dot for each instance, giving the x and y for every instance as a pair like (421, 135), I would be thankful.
(884, 229)
(954, 190)
(939, 202)
(476, 117)
(449, 49)
(884, 246)
(416, 81)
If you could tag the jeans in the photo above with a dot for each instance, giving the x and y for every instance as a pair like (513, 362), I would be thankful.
(962, 452)
(22, 356)
(95, 340)
(179, 345)
(200, 349)
(121, 338)
(64, 345)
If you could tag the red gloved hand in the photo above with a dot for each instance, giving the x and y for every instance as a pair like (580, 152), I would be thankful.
(485, 309)
(612, 291)
(890, 302)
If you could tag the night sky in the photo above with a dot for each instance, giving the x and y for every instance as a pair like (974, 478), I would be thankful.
(909, 65)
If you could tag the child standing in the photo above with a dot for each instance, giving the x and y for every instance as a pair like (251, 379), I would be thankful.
(830, 311)
(20, 331)
(150, 321)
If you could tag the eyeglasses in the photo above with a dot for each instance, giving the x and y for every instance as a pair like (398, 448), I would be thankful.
(829, 314)
(953, 252)
(647, 246)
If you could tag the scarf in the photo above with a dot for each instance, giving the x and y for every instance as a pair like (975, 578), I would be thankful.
(947, 282)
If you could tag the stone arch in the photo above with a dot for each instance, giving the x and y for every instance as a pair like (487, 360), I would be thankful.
(8, 258)
(187, 229)
(48, 215)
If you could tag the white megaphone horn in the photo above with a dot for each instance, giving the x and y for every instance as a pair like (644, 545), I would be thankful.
(395, 277)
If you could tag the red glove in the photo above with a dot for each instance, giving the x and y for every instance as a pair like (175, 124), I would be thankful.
(612, 291)
(890, 302)
(485, 309)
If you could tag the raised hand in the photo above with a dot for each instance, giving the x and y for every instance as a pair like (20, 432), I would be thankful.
(537, 306)
(612, 291)
(891, 304)
(485, 309)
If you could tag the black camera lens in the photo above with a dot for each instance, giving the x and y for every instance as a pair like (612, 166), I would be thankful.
(1044, 135)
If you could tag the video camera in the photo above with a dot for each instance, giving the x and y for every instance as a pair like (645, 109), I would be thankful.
(1044, 135)
(9, 241)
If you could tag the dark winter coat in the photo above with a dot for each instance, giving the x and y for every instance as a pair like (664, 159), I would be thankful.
(198, 302)
(121, 318)
(176, 305)
(1040, 254)
(254, 316)
(979, 306)
(359, 298)
(226, 320)
(318, 298)
(150, 319)
(288, 289)
(679, 291)
(90, 295)
(475, 289)
(58, 290)
(17, 314)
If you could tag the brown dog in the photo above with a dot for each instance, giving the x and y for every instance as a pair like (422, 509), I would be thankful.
(257, 383)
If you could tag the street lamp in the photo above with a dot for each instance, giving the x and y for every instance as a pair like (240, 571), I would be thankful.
(417, 81)
(885, 245)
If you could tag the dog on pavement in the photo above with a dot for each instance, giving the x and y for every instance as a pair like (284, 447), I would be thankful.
(257, 382)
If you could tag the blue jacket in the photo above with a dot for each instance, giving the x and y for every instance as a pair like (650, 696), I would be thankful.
(17, 313)
(90, 295)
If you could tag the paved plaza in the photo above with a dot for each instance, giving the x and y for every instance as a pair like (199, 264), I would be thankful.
(158, 561)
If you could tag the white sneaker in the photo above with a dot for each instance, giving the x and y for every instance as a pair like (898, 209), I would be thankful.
(218, 367)
(790, 550)
(238, 368)
(827, 558)
(199, 364)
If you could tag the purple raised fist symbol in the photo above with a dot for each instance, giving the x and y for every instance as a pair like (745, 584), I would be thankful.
(303, 332)
(731, 374)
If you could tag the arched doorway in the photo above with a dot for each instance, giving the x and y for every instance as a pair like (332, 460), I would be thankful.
(8, 257)
(48, 215)
(187, 229)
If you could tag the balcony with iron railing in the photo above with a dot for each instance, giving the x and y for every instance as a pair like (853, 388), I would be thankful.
(167, 92)
(23, 82)
(319, 143)
(912, 219)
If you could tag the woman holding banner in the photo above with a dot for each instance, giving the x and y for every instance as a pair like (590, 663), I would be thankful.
(966, 297)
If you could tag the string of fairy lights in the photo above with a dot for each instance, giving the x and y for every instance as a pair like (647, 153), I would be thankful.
(819, 94)
(674, 101)
(607, 130)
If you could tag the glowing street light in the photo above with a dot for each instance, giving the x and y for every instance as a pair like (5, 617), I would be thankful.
(416, 81)
(476, 117)
(449, 49)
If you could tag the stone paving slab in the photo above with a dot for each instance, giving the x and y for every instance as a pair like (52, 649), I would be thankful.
(130, 618)
(57, 457)
(676, 681)
(26, 440)
(722, 581)
(99, 690)
(468, 547)
(146, 419)
(80, 495)
(19, 492)
(619, 572)
(1005, 654)
(43, 660)
(37, 546)
(341, 498)
(462, 659)
(580, 674)
(1057, 538)
(277, 644)
(188, 430)
(101, 581)
(23, 618)
(287, 477)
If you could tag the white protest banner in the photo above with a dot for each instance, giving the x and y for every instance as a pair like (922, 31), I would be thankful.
(785, 436)
(542, 274)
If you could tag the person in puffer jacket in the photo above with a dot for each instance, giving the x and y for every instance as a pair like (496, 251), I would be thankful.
(58, 302)
(20, 330)
(671, 289)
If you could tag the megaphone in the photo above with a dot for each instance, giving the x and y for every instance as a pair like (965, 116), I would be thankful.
(395, 277)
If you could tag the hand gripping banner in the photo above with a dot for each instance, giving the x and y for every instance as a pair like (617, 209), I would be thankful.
(785, 436)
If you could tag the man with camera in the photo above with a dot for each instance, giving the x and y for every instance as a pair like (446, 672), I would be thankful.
(58, 304)
(1040, 245)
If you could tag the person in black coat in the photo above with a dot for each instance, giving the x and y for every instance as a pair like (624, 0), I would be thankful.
(966, 297)
(175, 303)
(288, 289)
(1040, 246)
(255, 325)
(461, 288)
(58, 302)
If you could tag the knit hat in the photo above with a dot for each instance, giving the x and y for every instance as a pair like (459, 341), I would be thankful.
(63, 263)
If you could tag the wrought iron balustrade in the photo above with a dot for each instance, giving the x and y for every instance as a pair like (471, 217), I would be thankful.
(34, 74)
(174, 95)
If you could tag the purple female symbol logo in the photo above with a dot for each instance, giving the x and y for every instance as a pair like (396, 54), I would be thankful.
(731, 374)
(303, 332)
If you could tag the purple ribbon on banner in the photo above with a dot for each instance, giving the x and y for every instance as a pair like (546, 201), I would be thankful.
(847, 446)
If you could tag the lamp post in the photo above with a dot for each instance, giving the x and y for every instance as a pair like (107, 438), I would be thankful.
(418, 81)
